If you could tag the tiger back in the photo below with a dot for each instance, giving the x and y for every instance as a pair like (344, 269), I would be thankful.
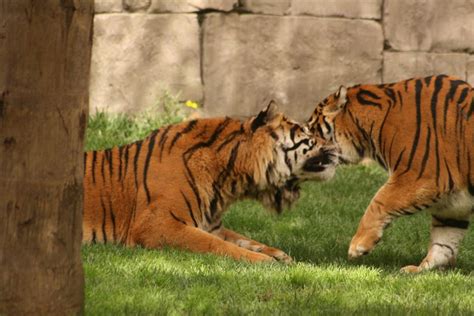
(421, 131)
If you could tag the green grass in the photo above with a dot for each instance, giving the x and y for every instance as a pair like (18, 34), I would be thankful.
(316, 233)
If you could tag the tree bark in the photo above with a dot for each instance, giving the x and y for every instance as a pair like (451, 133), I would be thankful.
(45, 48)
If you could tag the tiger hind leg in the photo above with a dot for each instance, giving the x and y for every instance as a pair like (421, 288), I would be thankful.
(247, 243)
(446, 235)
(154, 233)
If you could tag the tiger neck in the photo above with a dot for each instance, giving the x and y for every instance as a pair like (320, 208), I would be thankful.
(368, 127)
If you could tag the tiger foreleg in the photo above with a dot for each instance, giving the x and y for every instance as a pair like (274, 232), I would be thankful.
(446, 235)
(247, 243)
(391, 201)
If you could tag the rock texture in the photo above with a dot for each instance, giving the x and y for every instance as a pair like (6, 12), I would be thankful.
(367, 9)
(137, 56)
(232, 54)
(470, 70)
(107, 6)
(429, 25)
(136, 5)
(273, 7)
(285, 59)
(191, 5)
(401, 65)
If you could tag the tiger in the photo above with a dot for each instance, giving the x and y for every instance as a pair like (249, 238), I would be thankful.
(171, 188)
(421, 131)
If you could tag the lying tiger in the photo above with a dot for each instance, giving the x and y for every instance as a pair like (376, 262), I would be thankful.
(172, 188)
(422, 131)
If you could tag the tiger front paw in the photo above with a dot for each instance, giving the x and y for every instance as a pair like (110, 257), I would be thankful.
(363, 243)
(277, 254)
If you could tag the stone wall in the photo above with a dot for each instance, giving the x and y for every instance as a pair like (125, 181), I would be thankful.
(230, 55)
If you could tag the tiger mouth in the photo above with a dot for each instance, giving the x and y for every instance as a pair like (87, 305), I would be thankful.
(319, 163)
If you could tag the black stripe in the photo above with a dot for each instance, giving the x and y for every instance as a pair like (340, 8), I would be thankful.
(102, 168)
(163, 139)
(94, 236)
(362, 93)
(462, 224)
(391, 94)
(213, 205)
(104, 218)
(192, 184)
(219, 225)
(295, 127)
(94, 160)
(425, 156)
(190, 210)
(231, 163)
(434, 103)
(288, 162)
(463, 95)
(151, 145)
(399, 159)
(380, 139)
(450, 178)
(428, 80)
(445, 246)
(418, 87)
(112, 217)
(449, 97)
(177, 218)
(471, 107)
(219, 129)
(135, 161)
(400, 98)
(232, 136)
(126, 161)
(85, 162)
(189, 127)
(109, 155)
(120, 163)
(389, 162)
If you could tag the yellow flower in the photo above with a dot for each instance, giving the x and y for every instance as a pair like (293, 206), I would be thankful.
(191, 104)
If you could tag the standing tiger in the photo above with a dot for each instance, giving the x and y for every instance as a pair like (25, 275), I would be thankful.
(172, 188)
(422, 132)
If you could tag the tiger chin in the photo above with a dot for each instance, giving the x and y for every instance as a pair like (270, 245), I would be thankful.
(421, 131)
(172, 188)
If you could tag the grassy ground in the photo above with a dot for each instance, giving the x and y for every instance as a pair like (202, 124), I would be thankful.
(316, 233)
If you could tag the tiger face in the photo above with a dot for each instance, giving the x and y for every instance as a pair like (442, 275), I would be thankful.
(298, 155)
(329, 123)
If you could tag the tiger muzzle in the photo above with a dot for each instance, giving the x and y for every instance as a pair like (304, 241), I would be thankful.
(321, 161)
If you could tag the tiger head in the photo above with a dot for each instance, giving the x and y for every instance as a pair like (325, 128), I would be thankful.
(295, 155)
(330, 122)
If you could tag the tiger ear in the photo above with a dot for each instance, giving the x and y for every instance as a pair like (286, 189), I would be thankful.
(340, 99)
(266, 115)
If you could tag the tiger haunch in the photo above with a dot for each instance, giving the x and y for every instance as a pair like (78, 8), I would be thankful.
(172, 188)
(421, 131)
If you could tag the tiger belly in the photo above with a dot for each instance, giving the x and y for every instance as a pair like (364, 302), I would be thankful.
(458, 205)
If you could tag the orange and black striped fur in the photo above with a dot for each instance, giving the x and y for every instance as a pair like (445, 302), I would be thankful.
(422, 132)
(172, 188)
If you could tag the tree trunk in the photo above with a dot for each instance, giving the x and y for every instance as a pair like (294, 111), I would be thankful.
(45, 50)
